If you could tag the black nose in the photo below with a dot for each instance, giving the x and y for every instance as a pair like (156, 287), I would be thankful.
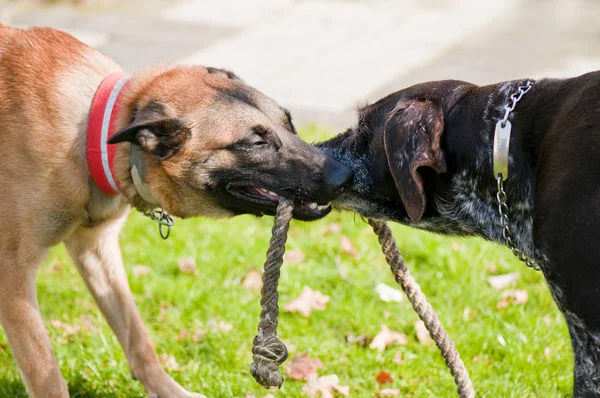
(337, 177)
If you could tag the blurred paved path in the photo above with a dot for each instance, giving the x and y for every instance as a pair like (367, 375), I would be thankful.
(322, 58)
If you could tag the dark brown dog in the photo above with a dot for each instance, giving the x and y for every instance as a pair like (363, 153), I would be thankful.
(423, 157)
(201, 143)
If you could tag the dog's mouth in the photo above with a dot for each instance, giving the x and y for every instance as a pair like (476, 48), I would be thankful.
(266, 201)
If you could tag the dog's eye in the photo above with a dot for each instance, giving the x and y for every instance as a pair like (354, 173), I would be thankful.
(260, 143)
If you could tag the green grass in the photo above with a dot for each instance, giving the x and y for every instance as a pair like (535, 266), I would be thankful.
(504, 350)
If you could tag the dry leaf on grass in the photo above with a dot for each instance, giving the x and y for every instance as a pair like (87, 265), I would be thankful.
(361, 340)
(422, 333)
(341, 270)
(548, 353)
(69, 330)
(512, 297)
(389, 392)
(89, 323)
(170, 363)
(333, 228)
(293, 256)
(384, 377)
(56, 267)
(187, 265)
(196, 336)
(398, 358)
(347, 247)
(387, 337)
(252, 280)
(219, 326)
(499, 282)
(307, 301)
(324, 387)
(388, 293)
(301, 367)
(140, 270)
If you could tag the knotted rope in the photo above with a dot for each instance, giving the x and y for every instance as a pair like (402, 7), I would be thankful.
(423, 309)
(268, 351)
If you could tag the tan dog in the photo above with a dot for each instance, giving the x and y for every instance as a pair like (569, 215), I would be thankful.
(203, 143)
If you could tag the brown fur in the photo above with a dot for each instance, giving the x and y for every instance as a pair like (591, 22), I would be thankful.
(47, 81)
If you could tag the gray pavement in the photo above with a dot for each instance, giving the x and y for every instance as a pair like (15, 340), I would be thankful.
(323, 58)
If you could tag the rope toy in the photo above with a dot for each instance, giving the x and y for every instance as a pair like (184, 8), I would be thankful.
(269, 352)
(423, 309)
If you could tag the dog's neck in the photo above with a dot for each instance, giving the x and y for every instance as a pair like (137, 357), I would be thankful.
(467, 200)
(104, 121)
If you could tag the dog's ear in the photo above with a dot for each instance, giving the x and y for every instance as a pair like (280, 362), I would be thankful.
(154, 132)
(412, 138)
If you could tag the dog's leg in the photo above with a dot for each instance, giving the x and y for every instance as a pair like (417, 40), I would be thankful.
(22, 322)
(98, 257)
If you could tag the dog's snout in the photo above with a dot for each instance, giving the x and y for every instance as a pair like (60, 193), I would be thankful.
(337, 177)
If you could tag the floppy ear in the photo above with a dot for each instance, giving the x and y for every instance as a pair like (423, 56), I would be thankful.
(154, 132)
(412, 138)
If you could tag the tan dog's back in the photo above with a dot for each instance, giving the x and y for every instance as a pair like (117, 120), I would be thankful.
(47, 81)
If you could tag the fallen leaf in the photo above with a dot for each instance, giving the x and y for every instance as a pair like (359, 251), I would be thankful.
(456, 246)
(198, 335)
(140, 270)
(491, 267)
(252, 280)
(269, 396)
(293, 256)
(220, 326)
(347, 247)
(499, 282)
(182, 335)
(343, 273)
(187, 265)
(548, 353)
(398, 358)
(324, 386)
(307, 301)
(389, 392)
(361, 340)
(529, 358)
(301, 367)
(250, 395)
(56, 267)
(502, 304)
(467, 314)
(422, 333)
(111, 383)
(384, 377)
(387, 337)
(388, 293)
(65, 327)
(88, 322)
(170, 363)
(164, 307)
(333, 228)
(512, 296)
(548, 320)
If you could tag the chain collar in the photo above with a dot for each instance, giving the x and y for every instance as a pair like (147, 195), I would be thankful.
(138, 174)
(501, 152)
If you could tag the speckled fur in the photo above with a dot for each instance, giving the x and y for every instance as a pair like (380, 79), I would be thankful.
(552, 189)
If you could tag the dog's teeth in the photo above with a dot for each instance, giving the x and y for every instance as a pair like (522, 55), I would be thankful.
(272, 193)
(322, 207)
(313, 206)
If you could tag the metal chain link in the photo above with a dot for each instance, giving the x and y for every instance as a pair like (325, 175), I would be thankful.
(163, 219)
(501, 194)
(505, 223)
(515, 97)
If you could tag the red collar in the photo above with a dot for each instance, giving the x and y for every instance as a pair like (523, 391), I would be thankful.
(101, 126)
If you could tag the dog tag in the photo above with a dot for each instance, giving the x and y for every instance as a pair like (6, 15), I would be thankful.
(501, 148)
